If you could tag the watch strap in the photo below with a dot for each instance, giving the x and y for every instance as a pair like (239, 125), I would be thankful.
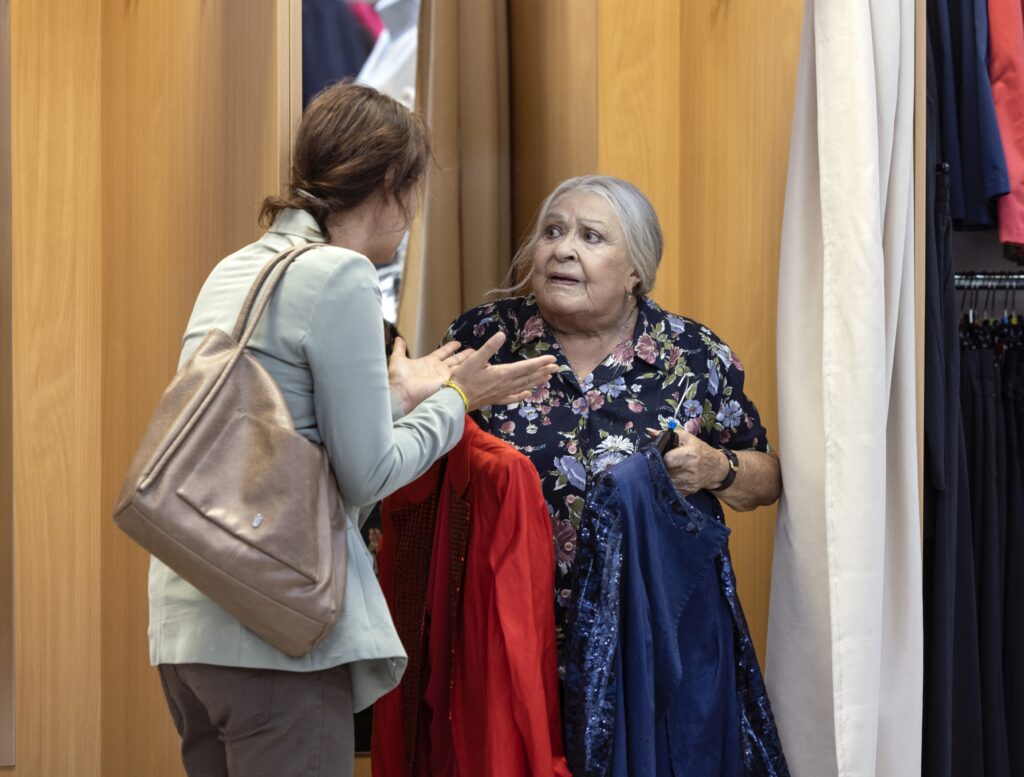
(734, 467)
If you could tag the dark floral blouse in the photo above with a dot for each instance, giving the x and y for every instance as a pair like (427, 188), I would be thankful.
(571, 430)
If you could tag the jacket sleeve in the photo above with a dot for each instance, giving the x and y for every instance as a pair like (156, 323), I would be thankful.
(371, 454)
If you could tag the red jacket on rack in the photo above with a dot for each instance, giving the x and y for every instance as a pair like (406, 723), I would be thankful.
(467, 567)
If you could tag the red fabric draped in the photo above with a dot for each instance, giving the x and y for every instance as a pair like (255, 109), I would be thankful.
(467, 567)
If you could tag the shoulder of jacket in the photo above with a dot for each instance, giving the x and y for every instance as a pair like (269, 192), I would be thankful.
(333, 270)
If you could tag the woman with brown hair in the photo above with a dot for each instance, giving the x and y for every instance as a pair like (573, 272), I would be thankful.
(243, 707)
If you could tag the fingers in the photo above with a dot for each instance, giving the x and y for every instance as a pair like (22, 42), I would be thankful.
(537, 370)
(445, 351)
(488, 349)
(398, 350)
(513, 399)
(458, 358)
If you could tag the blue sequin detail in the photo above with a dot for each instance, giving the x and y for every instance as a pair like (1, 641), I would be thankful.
(633, 510)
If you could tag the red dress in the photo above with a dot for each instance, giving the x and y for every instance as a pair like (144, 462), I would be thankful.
(467, 567)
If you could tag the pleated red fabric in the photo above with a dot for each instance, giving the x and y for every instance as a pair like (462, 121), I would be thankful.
(467, 568)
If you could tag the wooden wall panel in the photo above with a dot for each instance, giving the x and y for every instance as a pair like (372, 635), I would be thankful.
(695, 105)
(553, 75)
(192, 141)
(6, 374)
(56, 350)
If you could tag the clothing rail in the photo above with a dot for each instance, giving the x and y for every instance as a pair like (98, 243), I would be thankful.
(989, 281)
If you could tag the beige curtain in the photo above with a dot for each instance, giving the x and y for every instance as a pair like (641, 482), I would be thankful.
(845, 642)
(460, 245)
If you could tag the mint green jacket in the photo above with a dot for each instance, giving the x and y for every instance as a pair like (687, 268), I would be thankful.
(322, 340)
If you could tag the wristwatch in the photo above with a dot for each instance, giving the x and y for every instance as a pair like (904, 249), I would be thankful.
(734, 467)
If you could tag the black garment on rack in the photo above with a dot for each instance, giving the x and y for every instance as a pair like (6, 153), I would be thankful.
(981, 395)
(943, 125)
(952, 740)
(1013, 613)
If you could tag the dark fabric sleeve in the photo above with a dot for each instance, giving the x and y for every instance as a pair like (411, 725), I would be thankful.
(475, 326)
(737, 421)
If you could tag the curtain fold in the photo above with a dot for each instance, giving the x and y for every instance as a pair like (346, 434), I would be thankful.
(844, 660)
(460, 245)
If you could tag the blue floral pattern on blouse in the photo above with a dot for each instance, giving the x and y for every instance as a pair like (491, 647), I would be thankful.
(573, 429)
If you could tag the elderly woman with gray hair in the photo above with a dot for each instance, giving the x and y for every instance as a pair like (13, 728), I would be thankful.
(579, 288)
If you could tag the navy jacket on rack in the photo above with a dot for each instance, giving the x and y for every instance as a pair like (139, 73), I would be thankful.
(661, 675)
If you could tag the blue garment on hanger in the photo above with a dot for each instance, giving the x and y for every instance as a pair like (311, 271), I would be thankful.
(982, 173)
(661, 675)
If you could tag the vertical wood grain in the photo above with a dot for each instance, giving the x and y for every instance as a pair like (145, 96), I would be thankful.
(695, 105)
(553, 75)
(193, 137)
(289, 79)
(56, 354)
(6, 452)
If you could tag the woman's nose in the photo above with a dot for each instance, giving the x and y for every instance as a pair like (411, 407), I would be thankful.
(565, 249)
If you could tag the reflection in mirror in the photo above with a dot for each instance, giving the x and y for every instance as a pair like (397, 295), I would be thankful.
(6, 451)
(374, 43)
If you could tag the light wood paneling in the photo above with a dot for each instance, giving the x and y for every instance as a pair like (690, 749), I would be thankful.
(695, 105)
(553, 50)
(6, 452)
(193, 96)
(56, 314)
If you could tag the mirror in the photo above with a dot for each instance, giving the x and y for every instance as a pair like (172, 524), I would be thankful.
(374, 43)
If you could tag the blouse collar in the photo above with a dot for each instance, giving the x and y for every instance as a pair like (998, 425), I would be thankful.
(651, 320)
(298, 223)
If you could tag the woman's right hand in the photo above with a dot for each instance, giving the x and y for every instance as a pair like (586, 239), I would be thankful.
(500, 384)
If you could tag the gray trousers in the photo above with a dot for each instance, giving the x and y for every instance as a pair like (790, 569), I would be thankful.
(238, 722)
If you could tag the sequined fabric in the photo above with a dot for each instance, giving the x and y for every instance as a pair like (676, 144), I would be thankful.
(661, 675)
(592, 636)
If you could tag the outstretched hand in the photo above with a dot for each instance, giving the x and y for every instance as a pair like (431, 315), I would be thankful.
(413, 380)
(499, 384)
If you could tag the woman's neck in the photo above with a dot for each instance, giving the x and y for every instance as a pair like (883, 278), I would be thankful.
(585, 349)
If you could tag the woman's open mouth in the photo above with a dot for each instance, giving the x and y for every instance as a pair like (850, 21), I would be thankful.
(563, 280)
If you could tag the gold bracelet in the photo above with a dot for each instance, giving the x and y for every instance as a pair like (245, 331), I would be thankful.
(453, 385)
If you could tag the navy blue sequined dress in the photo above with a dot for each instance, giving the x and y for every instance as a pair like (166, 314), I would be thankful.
(661, 677)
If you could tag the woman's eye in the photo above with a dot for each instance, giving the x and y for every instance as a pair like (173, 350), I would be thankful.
(591, 236)
(552, 231)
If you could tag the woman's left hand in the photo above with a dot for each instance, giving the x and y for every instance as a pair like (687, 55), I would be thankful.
(413, 380)
(694, 465)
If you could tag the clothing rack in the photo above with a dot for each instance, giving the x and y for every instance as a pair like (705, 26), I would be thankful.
(978, 293)
(989, 281)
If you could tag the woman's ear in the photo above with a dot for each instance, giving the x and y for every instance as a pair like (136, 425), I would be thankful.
(635, 284)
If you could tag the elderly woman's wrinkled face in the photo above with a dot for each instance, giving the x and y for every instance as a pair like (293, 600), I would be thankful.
(581, 267)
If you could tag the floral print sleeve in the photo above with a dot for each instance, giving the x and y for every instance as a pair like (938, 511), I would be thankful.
(574, 428)
(737, 423)
(475, 326)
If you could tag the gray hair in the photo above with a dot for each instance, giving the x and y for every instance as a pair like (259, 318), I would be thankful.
(644, 241)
